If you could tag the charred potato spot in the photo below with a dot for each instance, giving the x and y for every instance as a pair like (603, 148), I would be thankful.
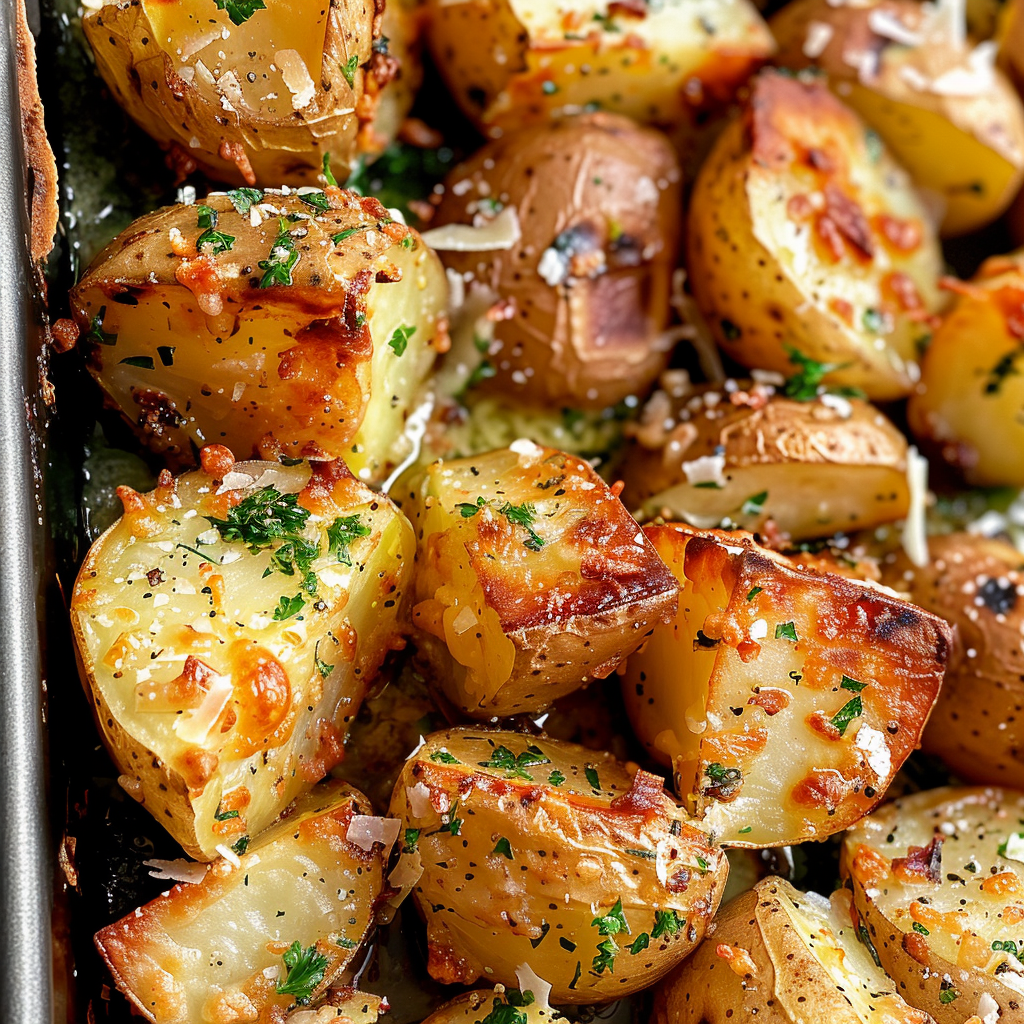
(789, 243)
(926, 89)
(228, 321)
(772, 693)
(745, 455)
(531, 579)
(183, 959)
(227, 628)
(259, 95)
(577, 303)
(595, 878)
(781, 954)
(938, 886)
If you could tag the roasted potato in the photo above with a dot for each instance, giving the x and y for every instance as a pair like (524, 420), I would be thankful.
(745, 454)
(939, 887)
(509, 64)
(967, 406)
(579, 283)
(262, 929)
(758, 644)
(1011, 48)
(531, 579)
(976, 584)
(938, 102)
(807, 244)
(549, 855)
(787, 957)
(251, 92)
(304, 338)
(227, 627)
(512, 1005)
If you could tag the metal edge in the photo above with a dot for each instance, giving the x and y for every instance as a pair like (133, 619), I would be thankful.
(25, 857)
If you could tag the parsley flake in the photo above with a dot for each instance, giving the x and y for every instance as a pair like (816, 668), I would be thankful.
(240, 11)
(244, 199)
(279, 264)
(306, 969)
(399, 340)
(258, 520)
(288, 606)
(786, 631)
(846, 714)
(342, 533)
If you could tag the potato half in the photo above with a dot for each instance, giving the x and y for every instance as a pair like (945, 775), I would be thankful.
(511, 63)
(551, 855)
(310, 317)
(788, 957)
(948, 115)
(270, 928)
(579, 288)
(938, 882)
(785, 700)
(495, 1006)
(745, 454)
(968, 403)
(227, 627)
(976, 584)
(531, 579)
(252, 92)
(806, 240)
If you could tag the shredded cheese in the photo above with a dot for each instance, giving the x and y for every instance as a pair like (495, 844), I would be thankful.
(915, 534)
(500, 233)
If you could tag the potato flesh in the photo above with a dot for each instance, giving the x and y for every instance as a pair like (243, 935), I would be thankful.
(202, 953)
(727, 688)
(582, 855)
(514, 615)
(977, 895)
(135, 637)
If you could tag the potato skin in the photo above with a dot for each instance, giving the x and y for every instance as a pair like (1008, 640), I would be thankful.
(784, 251)
(967, 405)
(581, 844)
(167, 637)
(510, 616)
(784, 699)
(966, 147)
(809, 469)
(183, 959)
(174, 79)
(307, 367)
(510, 64)
(905, 863)
(975, 584)
(587, 286)
(474, 1008)
(758, 960)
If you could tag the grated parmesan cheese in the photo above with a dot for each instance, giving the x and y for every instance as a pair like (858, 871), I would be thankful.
(500, 233)
(915, 534)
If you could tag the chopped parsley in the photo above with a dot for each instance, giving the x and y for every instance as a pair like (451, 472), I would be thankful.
(803, 385)
(244, 199)
(605, 959)
(786, 631)
(399, 340)
(212, 242)
(288, 606)
(852, 684)
(207, 216)
(873, 320)
(523, 515)
(666, 922)
(516, 998)
(443, 757)
(846, 714)
(504, 1013)
(220, 815)
(556, 778)
(348, 69)
(754, 505)
(327, 172)
(452, 825)
(240, 11)
(143, 362)
(278, 266)
(753, 592)
(410, 839)
(591, 773)
(641, 942)
(261, 518)
(294, 555)
(613, 922)
(306, 969)
(947, 995)
(318, 200)
(96, 332)
(1004, 946)
(322, 667)
(921, 930)
(467, 509)
(515, 767)
(341, 534)
(503, 847)
(723, 781)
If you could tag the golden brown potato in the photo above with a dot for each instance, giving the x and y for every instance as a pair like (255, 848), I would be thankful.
(511, 63)
(975, 584)
(227, 627)
(582, 870)
(295, 324)
(1011, 48)
(265, 930)
(531, 579)
(785, 700)
(578, 286)
(788, 957)
(512, 1005)
(252, 92)
(968, 403)
(807, 243)
(938, 884)
(948, 115)
(747, 455)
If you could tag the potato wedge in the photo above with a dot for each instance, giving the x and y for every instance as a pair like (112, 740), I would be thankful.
(579, 290)
(586, 872)
(254, 92)
(509, 63)
(745, 454)
(976, 584)
(225, 947)
(531, 579)
(227, 627)
(787, 957)
(226, 322)
(805, 237)
(785, 700)
(512, 1005)
(948, 115)
(967, 406)
(938, 886)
